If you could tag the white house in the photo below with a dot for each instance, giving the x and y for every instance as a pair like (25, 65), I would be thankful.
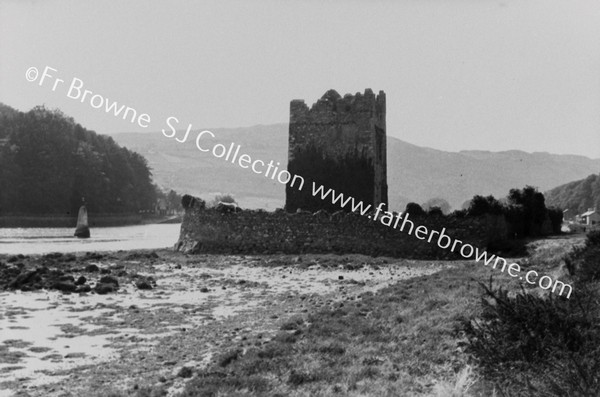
(591, 217)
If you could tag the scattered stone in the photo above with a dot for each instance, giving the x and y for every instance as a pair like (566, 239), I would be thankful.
(142, 255)
(83, 288)
(69, 258)
(75, 355)
(185, 372)
(102, 289)
(53, 357)
(143, 284)
(92, 268)
(67, 278)
(81, 280)
(24, 278)
(109, 280)
(93, 255)
(204, 289)
(11, 368)
(65, 286)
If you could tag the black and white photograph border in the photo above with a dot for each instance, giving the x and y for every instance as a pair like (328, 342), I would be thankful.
(309, 198)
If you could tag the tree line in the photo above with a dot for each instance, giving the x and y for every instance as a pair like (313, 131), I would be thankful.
(49, 163)
(524, 210)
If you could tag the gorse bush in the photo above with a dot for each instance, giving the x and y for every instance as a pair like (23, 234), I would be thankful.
(593, 239)
(584, 262)
(523, 329)
(534, 345)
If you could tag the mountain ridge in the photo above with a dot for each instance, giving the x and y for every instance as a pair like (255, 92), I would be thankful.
(415, 173)
(576, 196)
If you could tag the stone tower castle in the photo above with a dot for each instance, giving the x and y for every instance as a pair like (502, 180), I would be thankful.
(341, 144)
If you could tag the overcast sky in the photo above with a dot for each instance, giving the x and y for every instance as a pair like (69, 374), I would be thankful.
(458, 74)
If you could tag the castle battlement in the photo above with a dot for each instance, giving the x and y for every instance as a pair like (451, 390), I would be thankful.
(349, 130)
(333, 106)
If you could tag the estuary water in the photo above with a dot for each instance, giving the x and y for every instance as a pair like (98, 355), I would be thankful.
(45, 240)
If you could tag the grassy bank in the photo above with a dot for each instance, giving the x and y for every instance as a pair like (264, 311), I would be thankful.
(407, 339)
(404, 340)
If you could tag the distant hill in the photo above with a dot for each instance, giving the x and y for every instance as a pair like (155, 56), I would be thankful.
(414, 173)
(576, 196)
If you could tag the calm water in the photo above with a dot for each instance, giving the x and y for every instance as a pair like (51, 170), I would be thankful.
(45, 240)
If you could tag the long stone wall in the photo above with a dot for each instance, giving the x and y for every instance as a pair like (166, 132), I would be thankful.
(259, 232)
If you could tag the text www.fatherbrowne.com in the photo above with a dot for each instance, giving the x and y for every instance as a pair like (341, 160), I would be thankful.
(443, 241)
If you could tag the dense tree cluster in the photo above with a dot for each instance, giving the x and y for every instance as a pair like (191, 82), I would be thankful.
(48, 163)
(171, 197)
(524, 210)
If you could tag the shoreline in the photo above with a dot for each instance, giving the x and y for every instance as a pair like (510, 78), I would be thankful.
(37, 221)
(303, 324)
(16, 241)
(190, 312)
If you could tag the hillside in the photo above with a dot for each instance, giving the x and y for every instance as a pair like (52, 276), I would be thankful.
(48, 162)
(576, 196)
(414, 173)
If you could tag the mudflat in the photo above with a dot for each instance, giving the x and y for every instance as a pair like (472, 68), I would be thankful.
(94, 323)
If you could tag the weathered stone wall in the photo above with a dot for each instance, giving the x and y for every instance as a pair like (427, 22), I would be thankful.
(352, 127)
(260, 232)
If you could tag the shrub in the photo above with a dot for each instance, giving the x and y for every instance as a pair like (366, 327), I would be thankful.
(435, 211)
(538, 346)
(583, 262)
(228, 357)
(593, 239)
(459, 214)
(556, 219)
(414, 209)
(480, 205)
